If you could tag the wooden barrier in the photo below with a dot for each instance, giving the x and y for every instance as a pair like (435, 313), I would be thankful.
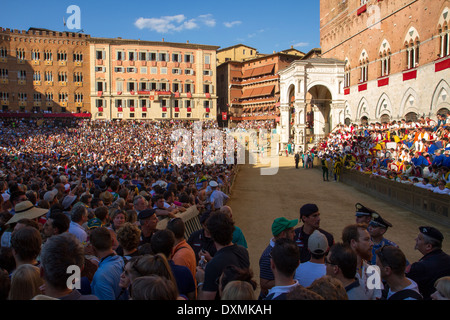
(433, 206)
(190, 218)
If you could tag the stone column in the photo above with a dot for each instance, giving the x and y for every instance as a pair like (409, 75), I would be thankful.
(285, 125)
(300, 125)
(319, 122)
(337, 110)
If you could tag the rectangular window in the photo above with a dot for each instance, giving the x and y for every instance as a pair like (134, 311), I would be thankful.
(35, 55)
(119, 86)
(3, 73)
(118, 103)
(143, 70)
(188, 87)
(176, 87)
(131, 55)
(153, 70)
(130, 86)
(131, 70)
(188, 57)
(100, 54)
(77, 77)
(77, 57)
(119, 55)
(142, 86)
(142, 56)
(61, 56)
(36, 76)
(62, 77)
(162, 56)
(49, 96)
(445, 39)
(63, 97)
(3, 52)
(207, 59)
(163, 86)
(153, 86)
(48, 55)
(176, 57)
(20, 54)
(152, 56)
(37, 97)
(48, 76)
(163, 70)
(118, 69)
(22, 75)
(78, 97)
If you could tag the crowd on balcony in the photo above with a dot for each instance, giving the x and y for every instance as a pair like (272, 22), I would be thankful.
(413, 152)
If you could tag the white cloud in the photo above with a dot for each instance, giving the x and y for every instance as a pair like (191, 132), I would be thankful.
(232, 24)
(174, 23)
(301, 44)
(207, 19)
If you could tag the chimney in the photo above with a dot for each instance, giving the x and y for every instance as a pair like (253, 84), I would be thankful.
(162, 39)
(187, 41)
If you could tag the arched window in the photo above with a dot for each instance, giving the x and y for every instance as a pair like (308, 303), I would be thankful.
(385, 58)
(347, 73)
(364, 66)
(412, 44)
(444, 35)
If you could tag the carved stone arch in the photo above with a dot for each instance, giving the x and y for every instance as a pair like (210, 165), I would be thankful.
(412, 36)
(384, 106)
(363, 109)
(363, 57)
(444, 18)
(385, 48)
(410, 103)
(440, 98)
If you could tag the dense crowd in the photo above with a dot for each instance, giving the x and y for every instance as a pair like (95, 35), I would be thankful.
(82, 200)
(413, 152)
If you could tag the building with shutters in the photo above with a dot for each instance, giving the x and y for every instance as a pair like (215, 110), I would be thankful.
(44, 73)
(135, 79)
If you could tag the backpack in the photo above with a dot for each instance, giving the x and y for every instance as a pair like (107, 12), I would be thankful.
(408, 293)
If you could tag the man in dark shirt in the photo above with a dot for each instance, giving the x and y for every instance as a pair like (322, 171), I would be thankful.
(221, 227)
(200, 240)
(310, 216)
(148, 221)
(434, 264)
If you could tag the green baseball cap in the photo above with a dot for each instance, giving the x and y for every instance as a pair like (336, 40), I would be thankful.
(281, 224)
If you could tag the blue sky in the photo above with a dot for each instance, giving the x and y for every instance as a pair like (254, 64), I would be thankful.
(264, 25)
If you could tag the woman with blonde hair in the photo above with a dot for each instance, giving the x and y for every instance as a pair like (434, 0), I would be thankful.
(442, 286)
(25, 283)
(238, 290)
(153, 287)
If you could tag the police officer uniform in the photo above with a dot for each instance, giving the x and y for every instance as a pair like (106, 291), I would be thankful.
(431, 266)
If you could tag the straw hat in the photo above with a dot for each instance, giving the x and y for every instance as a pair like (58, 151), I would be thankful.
(26, 210)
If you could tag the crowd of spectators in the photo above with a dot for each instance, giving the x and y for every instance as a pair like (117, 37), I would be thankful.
(412, 152)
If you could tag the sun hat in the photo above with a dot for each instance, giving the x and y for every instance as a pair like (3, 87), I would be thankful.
(26, 210)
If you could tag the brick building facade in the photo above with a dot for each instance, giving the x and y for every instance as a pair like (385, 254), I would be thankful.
(44, 71)
(396, 54)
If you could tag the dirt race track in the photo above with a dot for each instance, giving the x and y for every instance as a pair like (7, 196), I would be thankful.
(256, 200)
